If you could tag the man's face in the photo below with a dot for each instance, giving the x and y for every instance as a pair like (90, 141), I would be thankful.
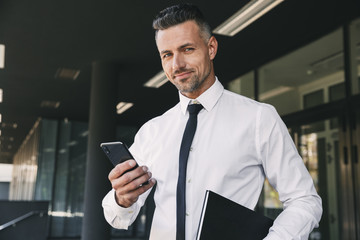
(187, 58)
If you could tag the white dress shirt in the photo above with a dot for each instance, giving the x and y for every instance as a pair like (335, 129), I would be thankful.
(238, 142)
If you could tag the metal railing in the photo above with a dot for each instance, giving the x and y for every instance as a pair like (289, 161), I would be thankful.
(21, 218)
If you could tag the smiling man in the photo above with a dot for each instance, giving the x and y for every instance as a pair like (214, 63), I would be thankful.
(187, 58)
(235, 143)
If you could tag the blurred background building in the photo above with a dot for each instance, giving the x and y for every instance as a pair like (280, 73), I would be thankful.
(74, 74)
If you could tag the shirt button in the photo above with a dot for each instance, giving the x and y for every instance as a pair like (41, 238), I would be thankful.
(187, 214)
(189, 180)
(191, 148)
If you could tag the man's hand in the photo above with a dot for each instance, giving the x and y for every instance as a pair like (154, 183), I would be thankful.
(129, 186)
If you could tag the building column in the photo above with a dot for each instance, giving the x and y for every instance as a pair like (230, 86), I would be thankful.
(102, 128)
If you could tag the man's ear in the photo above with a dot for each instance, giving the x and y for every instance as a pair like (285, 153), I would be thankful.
(212, 45)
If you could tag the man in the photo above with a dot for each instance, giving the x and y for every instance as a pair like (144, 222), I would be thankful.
(238, 142)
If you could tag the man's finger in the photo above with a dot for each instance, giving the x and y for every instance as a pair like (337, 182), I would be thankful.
(121, 168)
(128, 199)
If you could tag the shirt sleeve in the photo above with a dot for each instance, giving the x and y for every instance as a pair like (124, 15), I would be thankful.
(287, 173)
(115, 215)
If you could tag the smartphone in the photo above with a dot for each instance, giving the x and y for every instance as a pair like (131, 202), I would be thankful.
(117, 152)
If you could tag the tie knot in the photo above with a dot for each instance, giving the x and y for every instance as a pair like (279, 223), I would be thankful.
(194, 108)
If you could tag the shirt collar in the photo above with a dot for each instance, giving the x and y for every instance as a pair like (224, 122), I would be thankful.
(208, 98)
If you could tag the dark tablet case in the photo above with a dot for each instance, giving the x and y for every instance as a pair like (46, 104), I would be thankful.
(222, 218)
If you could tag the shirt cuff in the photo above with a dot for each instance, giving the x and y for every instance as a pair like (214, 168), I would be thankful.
(117, 216)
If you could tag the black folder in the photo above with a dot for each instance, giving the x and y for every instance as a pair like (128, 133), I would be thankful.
(222, 218)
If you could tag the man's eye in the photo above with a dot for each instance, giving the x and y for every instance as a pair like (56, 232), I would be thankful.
(188, 49)
(166, 55)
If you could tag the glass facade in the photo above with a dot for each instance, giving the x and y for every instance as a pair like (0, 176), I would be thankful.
(302, 79)
(46, 160)
(244, 85)
(69, 185)
(25, 167)
(318, 148)
(354, 55)
(312, 76)
(51, 166)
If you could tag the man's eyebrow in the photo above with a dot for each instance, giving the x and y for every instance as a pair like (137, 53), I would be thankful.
(164, 51)
(185, 45)
(181, 47)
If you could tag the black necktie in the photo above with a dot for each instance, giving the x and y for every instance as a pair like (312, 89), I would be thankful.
(188, 136)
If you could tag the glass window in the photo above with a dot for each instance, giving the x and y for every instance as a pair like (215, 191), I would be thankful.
(313, 99)
(243, 85)
(317, 143)
(355, 54)
(302, 78)
(337, 92)
(68, 201)
(46, 159)
(25, 167)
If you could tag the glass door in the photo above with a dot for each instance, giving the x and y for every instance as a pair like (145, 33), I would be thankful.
(318, 144)
(329, 149)
(355, 147)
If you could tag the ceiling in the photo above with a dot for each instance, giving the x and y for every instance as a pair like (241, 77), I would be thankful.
(42, 36)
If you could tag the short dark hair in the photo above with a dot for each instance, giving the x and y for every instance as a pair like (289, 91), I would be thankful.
(181, 13)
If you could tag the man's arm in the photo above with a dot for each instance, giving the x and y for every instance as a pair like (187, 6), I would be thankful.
(122, 205)
(287, 173)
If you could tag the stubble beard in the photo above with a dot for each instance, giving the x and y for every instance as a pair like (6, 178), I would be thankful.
(192, 84)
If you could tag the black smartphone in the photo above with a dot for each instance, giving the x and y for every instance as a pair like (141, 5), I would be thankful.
(117, 152)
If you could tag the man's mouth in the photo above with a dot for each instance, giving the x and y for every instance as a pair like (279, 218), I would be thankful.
(182, 75)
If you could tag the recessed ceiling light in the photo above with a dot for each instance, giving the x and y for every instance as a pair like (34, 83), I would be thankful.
(157, 81)
(50, 104)
(123, 106)
(67, 73)
(85, 133)
(1, 95)
(9, 125)
(2, 55)
(245, 16)
(4, 138)
(72, 143)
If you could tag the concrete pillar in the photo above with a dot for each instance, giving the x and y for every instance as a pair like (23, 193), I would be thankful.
(102, 128)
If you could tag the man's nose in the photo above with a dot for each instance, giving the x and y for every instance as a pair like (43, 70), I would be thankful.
(178, 62)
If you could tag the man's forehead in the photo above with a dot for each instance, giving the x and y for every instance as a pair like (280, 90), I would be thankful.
(178, 35)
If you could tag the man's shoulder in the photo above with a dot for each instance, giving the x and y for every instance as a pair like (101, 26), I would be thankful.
(239, 99)
(163, 118)
(236, 100)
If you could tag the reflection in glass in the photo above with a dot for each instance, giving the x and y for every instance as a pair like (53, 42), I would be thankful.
(288, 83)
(337, 92)
(271, 197)
(355, 55)
(243, 85)
(67, 208)
(309, 153)
(318, 148)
